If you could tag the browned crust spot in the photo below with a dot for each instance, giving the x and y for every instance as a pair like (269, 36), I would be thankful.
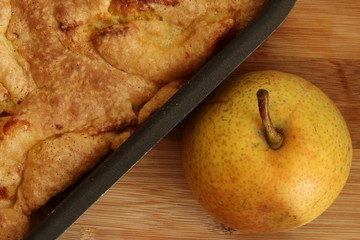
(112, 30)
(12, 123)
(67, 27)
(3, 193)
(125, 6)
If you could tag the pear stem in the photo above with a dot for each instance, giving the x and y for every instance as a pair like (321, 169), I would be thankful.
(273, 137)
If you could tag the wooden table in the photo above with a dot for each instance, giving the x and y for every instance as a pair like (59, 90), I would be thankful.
(319, 41)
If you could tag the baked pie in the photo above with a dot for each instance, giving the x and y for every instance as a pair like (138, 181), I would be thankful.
(77, 77)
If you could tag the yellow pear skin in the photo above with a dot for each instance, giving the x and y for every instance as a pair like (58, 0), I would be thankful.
(243, 182)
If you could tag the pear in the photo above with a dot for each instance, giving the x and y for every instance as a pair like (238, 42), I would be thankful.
(266, 152)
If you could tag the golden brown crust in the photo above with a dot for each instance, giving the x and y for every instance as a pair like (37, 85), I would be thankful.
(15, 222)
(70, 154)
(145, 52)
(78, 77)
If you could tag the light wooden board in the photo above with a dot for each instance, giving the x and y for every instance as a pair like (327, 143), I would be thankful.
(320, 41)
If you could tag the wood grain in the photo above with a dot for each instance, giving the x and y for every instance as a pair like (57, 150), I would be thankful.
(320, 42)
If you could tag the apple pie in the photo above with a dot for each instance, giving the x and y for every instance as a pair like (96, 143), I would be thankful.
(78, 77)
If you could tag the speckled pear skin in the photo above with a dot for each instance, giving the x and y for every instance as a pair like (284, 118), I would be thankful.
(244, 183)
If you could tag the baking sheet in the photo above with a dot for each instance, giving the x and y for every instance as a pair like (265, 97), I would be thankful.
(162, 122)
